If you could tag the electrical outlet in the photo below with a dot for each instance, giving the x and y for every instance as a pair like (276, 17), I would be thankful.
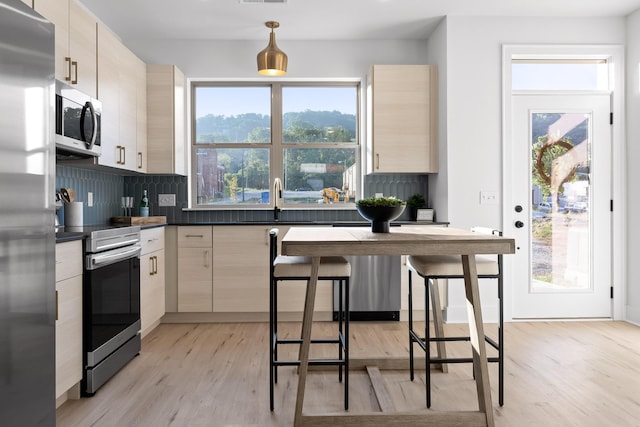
(89, 199)
(166, 199)
(488, 197)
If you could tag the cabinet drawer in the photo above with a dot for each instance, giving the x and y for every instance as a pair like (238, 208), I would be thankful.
(152, 239)
(68, 260)
(195, 237)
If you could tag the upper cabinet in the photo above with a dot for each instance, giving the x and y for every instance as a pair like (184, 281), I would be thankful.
(402, 112)
(122, 90)
(75, 34)
(166, 119)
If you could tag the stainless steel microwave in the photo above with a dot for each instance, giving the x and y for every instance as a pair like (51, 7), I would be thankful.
(77, 122)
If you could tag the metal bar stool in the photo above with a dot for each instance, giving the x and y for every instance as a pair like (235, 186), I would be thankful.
(299, 268)
(431, 268)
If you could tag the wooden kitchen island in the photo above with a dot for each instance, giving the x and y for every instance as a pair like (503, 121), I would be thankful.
(405, 240)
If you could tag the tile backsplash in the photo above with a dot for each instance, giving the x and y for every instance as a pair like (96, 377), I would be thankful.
(108, 188)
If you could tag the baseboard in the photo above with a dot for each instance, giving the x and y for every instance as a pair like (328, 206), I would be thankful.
(458, 314)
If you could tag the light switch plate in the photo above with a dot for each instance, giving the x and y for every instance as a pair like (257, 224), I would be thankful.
(166, 199)
(488, 197)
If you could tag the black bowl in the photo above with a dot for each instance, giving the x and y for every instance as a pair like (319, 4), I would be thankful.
(379, 216)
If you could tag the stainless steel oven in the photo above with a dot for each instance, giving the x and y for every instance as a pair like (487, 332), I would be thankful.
(111, 310)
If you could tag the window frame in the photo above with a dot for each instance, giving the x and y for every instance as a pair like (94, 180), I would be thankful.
(276, 147)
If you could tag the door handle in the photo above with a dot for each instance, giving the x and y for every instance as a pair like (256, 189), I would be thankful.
(519, 224)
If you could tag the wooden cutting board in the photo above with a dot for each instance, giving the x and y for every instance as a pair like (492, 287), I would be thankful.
(139, 220)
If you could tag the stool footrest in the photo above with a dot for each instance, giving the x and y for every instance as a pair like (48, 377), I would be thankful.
(328, 362)
(438, 360)
(418, 339)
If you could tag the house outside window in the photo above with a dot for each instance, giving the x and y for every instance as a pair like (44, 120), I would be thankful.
(244, 135)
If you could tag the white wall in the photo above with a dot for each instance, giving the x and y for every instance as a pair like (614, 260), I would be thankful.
(633, 171)
(437, 54)
(307, 59)
(474, 113)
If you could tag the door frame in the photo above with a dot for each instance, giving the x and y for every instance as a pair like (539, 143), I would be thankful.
(614, 54)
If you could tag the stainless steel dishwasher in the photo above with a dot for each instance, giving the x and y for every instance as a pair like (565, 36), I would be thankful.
(374, 288)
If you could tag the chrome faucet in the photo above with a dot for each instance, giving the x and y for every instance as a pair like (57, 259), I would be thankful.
(277, 192)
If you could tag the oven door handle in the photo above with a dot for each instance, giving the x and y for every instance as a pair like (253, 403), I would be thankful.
(136, 239)
(96, 261)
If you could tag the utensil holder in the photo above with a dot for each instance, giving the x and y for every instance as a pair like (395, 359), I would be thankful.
(73, 214)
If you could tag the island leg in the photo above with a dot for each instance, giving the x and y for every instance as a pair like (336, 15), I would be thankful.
(307, 318)
(476, 332)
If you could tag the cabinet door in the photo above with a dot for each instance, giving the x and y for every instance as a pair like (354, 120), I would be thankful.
(403, 114)
(241, 271)
(109, 95)
(166, 119)
(141, 115)
(241, 274)
(28, 3)
(82, 48)
(128, 108)
(195, 266)
(57, 11)
(68, 334)
(152, 297)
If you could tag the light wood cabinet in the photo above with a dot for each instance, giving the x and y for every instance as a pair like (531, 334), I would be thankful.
(140, 72)
(195, 267)
(241, 274)
(28, 2)
(152, 278)
(68, 318)
(166, 147)
(402, 107)
(120, 88)
(75, 35)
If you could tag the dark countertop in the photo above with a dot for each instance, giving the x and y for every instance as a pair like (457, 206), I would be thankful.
(333, 223)
(80, 233)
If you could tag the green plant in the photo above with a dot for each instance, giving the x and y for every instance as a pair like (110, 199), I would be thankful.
(380, 201)
(416, 201)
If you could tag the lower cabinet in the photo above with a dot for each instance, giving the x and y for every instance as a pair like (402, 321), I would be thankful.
(195, 267)
(241, 274)
(152, 278)
(224, 270)
(68, 319)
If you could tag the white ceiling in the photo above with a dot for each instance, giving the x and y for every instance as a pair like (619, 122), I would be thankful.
(322, 19)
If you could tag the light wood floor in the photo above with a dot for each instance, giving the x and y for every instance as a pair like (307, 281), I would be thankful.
(557, 374)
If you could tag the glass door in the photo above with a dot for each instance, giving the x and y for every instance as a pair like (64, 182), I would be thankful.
(561, 173)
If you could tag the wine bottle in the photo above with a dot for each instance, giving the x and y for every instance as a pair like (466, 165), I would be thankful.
(144, 204)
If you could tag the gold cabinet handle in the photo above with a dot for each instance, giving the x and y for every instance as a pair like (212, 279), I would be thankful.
(194, 235)
(151, 273)
(68, 61)
(57, 305)
(139, 160)
(75, 66)
(206, 259)
(155, 265)
(124, 155)
(377, 160)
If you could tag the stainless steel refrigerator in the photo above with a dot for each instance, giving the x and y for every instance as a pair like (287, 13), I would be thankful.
(27, 237)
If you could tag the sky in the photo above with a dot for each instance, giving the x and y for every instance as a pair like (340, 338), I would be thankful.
(234, 100)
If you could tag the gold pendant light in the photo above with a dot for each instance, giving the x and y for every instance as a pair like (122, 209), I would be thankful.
(272, 61)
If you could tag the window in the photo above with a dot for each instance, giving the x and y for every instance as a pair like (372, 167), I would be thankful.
(559, 74)
(246, 135)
